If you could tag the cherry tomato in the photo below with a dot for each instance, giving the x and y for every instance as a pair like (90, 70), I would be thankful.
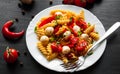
(10, 55)
(81, 24)
(74, 40)
(70, 45)
(90, 1)
(81, 45)
(68, 1)
(81, 3)
(56, 47)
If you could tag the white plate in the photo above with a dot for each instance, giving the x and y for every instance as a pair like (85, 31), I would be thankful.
(31, 39)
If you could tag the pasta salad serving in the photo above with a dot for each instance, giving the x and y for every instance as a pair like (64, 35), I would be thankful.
(65, 35)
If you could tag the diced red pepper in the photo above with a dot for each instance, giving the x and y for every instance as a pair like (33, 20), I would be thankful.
(48, 20)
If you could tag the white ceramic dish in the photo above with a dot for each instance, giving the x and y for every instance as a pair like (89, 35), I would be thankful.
(31, 39)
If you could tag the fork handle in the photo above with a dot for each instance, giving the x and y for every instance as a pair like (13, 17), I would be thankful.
(108, 32)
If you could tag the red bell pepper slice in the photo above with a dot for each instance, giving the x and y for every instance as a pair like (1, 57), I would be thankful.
(48, 20)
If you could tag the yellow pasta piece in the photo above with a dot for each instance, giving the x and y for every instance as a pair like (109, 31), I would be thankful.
(52, 56)
(89, 29)
(52, 24)
(42, 49)
(64, 59)
(61, 30)
(94, 35)
(82, 15)
(62, 22)
(49, 49)
(40, 32)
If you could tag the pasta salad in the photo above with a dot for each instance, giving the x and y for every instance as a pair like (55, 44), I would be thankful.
(65, 35)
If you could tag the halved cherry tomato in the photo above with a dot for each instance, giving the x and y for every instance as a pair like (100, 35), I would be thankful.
(82, 24)
(56, 47)
(81, 3)
(70, 45)
(74, 32)
(74, 40)
(48, 20)
(81, 45)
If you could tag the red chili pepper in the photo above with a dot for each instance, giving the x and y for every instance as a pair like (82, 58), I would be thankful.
(7, 33)
(48, 20)
(56, 29)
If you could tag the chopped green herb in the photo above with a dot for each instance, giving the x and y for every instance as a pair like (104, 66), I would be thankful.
(52, 39)
(89, 24)
(57, 17)
(35, 29)
(71, 18)
(56, 23)
(58, 42)
(96, 32)
(79, 33)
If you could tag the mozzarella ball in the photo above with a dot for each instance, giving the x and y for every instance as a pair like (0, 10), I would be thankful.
(76, 28)
(84, 36)
(44, 39)
(65, 49)
(67, 34)
(49, 31)
(58, 13)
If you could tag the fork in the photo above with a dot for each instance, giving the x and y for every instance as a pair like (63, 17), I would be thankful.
(71, 67)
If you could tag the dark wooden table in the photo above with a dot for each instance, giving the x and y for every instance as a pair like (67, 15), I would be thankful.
(108, 11)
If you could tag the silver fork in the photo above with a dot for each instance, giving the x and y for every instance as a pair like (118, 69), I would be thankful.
(71, 67)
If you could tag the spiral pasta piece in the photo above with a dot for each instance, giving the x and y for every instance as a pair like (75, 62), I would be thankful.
(42, 49)
(49, 50)
(61, 30)
(94, 35)
(40, 32)
(89, 29)
(52, 56)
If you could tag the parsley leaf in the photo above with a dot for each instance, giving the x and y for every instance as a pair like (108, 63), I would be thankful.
(79, 33)
(35, 29)
(58, 17)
